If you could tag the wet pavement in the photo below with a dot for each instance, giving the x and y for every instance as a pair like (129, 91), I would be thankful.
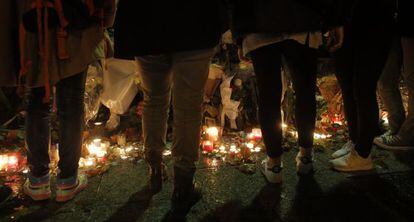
(120, 194)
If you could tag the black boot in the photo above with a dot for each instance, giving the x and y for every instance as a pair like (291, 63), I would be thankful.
(185, 195)
(157, 174)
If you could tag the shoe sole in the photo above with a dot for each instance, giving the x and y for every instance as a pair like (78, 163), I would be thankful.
(66, 198)
(39, 197)
(340, 169)
(398, 148)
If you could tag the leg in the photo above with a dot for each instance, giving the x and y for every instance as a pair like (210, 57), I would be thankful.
(389, 87)
(302, 63)
(407, 130)
(190, 72)
(267, 64)
(370, 57)
(38, 133)
(344, 74)
(70, 97)
(156, 83)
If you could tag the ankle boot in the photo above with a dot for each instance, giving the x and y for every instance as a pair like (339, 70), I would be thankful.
(185, 195)
(157, 174)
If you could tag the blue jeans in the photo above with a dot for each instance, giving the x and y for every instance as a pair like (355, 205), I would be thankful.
(70, 96)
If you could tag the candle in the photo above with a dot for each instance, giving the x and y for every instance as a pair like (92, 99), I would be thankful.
(97, 148)
(212, 133)
(8, 162)
(257, 133)
(208, 146)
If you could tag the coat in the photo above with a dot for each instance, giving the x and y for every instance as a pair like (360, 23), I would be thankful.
(81, 45)
(405, 18)
(9, 48)
(160, 26)
(284, 16)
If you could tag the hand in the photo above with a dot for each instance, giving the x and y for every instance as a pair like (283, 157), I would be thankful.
(242, 57)
(336, 38)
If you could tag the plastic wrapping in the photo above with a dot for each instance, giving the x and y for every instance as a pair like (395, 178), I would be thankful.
(120, 85)
(93, 90)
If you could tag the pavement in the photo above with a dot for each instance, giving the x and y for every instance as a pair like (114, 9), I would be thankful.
(120, 194)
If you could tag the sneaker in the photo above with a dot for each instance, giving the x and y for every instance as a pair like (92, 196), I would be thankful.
(68, 188)
(352, 162)
(304, 164)
(345, 149)
(37, 188)
(272, 174)
(392, 142)
(5, 194)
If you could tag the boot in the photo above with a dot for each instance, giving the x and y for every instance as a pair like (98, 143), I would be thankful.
(185, 195)
(157, 174)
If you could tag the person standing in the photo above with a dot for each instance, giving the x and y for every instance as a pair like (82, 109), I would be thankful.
(172, 43)
(272, 31)
(401, 133)
(368, 38)
(48, 68)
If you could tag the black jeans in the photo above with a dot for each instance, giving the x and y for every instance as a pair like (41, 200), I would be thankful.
(70, 96)
(359, 65)
(267, 62)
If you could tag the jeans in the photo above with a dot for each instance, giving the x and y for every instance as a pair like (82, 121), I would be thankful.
(182, 74)
(267, 62)
(359, 65)
(69, 98)
(401, 55)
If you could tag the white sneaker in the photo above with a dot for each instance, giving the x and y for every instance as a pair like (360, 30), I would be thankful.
(352, 162)
(304, 164)
(272, 174)
(345, 149)
(113, 122)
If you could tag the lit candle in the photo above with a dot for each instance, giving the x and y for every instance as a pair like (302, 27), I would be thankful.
(208, 146)
(8, 162)
(257, 133)
(97, 148)
(213, 133)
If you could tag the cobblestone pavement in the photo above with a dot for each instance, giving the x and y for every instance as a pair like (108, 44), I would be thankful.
(386, 194)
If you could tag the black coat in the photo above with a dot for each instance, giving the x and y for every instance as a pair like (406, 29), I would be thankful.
(406, 17)
(145, 27)
(284, 16)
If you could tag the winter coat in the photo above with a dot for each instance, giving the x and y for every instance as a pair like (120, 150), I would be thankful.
(159, 26)
(364, 14)
(406, 18)
(9, 49)
(284, 16)
(81, 45)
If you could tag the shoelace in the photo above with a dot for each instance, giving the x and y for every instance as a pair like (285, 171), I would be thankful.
(275, 169)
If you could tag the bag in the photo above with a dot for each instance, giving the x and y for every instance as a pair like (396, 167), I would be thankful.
(119, 85)
(82, 14)
(45, 8)
(72, 14)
